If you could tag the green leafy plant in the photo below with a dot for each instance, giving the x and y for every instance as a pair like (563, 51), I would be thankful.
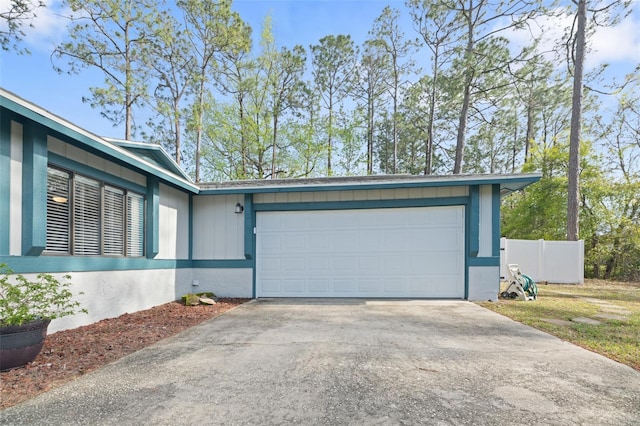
(23, 300)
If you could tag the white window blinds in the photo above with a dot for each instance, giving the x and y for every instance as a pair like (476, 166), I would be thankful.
(58, 219)
(86, 216)
(135, 225)
(113, 221)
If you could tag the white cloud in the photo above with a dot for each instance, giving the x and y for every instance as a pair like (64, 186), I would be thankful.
(620, 43)
(607, 45)
(45, 29)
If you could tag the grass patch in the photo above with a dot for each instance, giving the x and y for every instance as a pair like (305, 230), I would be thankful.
(614, 338)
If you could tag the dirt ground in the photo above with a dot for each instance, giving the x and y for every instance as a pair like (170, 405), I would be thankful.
(71, 353)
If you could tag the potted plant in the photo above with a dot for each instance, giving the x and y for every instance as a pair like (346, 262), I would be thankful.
(26, 309)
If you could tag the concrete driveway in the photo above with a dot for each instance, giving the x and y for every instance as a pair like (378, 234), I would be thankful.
(349, 362)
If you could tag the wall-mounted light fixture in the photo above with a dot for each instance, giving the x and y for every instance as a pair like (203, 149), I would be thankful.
(59, 199)
(239, 208)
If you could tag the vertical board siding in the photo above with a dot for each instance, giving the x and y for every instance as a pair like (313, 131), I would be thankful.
(76, 154)
(220, 231)
(15, 191)
(360, 195)
(486, 222)
(174, 224)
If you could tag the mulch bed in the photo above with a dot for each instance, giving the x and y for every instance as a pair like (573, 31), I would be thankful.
(69, 354)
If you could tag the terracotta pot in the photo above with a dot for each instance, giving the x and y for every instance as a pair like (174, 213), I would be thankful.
(20, 344)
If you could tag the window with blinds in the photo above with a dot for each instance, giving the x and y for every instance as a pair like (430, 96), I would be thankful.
(135, 225)
(86, 217)
(58, 212)
(113, 221)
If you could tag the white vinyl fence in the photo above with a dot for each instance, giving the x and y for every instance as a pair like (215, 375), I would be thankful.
(551, 261)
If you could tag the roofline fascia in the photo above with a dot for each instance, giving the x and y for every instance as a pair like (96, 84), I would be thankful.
(151, 147)
(57, 124)
(438, 182)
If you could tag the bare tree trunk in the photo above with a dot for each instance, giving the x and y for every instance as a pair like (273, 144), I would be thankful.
(529, 136)
(575, 135)
(198, 128)
(428, 163)
(329, 173)
(274, 151)
(462, 129)
(370, 125)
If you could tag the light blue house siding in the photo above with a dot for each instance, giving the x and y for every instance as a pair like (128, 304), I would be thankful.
(193, 238)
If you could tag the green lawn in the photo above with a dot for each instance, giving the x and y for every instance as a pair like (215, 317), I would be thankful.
(616, 337)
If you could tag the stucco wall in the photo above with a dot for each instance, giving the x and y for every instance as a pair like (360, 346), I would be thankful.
(224, 282)
(484, 283)
(108, 294)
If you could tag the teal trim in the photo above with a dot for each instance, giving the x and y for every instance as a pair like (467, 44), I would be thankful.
(5, 182)
(152, 153)
(363, 204)
(495, 220)
(474, 220)
(508, 182)
(249, 224)
(50, 264)
(190, 226)
(62, 130)
(483, 261)
(223, 263)
(250, 227)
(34, 189)
(88, 171)
(467, 221)
(153, 217)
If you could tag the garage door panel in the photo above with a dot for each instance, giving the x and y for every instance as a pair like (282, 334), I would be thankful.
(318, 286)
(408, 252)
(345, 241)
(318, 264)
(344, 286)
(294, 286)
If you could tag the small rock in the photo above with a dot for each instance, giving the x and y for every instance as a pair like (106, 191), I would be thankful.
(207, 301)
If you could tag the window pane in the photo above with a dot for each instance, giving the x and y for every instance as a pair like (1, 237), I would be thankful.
(113, 233)
(135, 225)
(57, 211)
(86, 216)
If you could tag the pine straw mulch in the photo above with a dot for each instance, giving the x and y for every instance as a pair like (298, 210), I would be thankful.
(69, 354)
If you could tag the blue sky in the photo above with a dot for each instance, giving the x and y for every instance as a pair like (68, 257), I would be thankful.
(295, 22)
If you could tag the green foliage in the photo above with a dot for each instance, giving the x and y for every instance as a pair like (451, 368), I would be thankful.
(23, 300)
(14, 15)
(609, 211)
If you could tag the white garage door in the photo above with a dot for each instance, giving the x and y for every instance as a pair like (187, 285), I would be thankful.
(402, 252)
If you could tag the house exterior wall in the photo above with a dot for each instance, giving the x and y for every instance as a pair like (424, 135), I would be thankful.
(95, 163)
(15, 188)
(361, 195)
(194, 241)
(220, 231)
(173, 224)
(110, 286)
(224, 282)
(109, 294)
